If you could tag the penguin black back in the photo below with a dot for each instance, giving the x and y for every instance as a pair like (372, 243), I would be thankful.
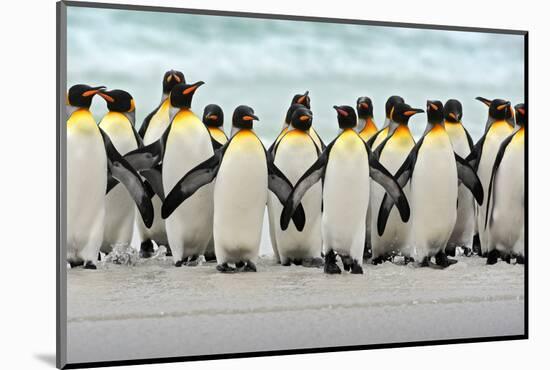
(213, 115)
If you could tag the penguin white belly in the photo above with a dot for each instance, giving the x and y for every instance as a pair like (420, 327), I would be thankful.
(396, 234)
(295, 154)
(240, 197)
(157, 126)
(463, 231)
(346, 197)
(497, 133)
(507, 218)
(189, 227)
(119, 205)
(86, 184)
(434, 191)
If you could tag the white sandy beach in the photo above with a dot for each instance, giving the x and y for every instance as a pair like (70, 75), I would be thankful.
(154, 309)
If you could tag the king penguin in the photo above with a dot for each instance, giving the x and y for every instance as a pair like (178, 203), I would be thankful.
(463, 232)
(212, 117)
(433, 170)
(505, 202)
(381, 134)
(91, 155)
(244, 171)
(497, 128)
(346, 166)
(295, 152)
(153, 126)
(391, 153)
(118, 123)
(273, 217)
(366, 127)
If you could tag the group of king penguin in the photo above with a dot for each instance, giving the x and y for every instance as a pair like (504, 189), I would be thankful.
(200, 192)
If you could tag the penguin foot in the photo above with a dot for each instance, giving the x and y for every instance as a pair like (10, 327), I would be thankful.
(347, 261)
(378, 260)
(192, 261)
(285, 263)
(225, 268)
(297, 262)
(425, 262)
(492, 257)
(146, 250)
(90, 266)
(520, 259)
(467, 251)
(209, 257)
(506, 258)
(239, 264)
(249, 267)
(313, 262)
(450, 251)
(330, 263)
(476, 246)
(168, 251)
(76, 264)
(407, 260)
(179, 263)
(356, 268)
(442, 260)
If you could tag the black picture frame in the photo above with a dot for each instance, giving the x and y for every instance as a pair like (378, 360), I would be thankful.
(61, 269)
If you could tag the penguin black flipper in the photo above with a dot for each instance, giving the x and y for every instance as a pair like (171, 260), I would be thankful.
(469, 138)
(154, 179)
(281, 186)
(315, 173)
(145, 123)
(498, 160)
(381, 175)
(373, 138)
(402, 176)
(204, 173)
(122, 171)
(469, 178)
(148, 156)
(473, 157)
(139, 140)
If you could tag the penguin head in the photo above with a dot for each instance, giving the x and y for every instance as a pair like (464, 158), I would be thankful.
(403, 112)
(182, 94)
(391, 102)
(435, 111)
(243, 116)
(364, 107)
(499, 109)
(118, 101)
(171, 78)
(80, 96)
(521, 114)
(213, 115)
(302, 119)
(453, 111)
(291, 111)
(346, 116)
(302, 99)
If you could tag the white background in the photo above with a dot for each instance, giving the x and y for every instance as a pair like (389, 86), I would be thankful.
(27, 124)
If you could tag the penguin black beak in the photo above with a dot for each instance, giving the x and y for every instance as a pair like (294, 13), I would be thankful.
(250, 117)
(340, 111)
(93, 90)
(413, 111)
(302, 98)
(193, 87)
(485, 101)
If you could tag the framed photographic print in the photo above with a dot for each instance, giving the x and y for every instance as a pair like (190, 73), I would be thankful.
(236, 184)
